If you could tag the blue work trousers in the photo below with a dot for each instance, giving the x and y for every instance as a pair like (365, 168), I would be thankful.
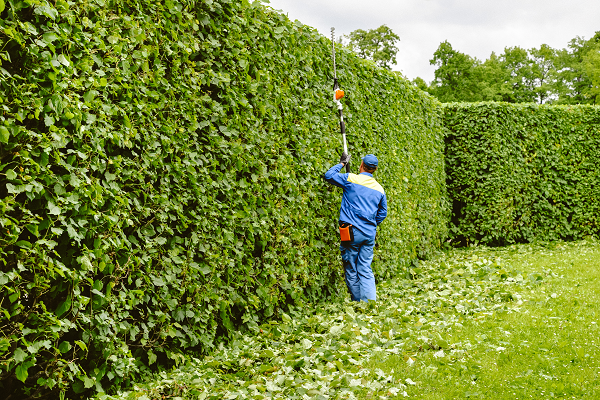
(357, 257)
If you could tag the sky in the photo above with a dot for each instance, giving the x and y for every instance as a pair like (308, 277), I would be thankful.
(474, 27)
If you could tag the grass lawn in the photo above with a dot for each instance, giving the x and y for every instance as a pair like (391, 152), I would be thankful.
(548, 348)
(518, 322)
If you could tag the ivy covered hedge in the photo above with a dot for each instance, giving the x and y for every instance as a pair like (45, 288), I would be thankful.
(161, 180)
(522, 172)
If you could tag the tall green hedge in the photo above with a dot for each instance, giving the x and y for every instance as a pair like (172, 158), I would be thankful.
(161, 180)
(522, 172)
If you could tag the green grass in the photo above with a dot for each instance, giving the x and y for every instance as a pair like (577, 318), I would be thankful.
(512, 323)
(548, 348)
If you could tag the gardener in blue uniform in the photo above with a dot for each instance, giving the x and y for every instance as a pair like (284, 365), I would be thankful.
(364, 207)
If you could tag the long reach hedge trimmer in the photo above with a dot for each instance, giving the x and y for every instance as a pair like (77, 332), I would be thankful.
(337, 96)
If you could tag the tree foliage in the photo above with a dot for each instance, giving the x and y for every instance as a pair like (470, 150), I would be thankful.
(574, 77)
(455, 76)
(540, 75)
(591, 69)
(378, 45)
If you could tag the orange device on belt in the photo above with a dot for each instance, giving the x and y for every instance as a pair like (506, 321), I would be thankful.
(346, 234)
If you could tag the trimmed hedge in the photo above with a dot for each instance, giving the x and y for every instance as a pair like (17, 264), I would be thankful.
(161, 180)
(522, 172)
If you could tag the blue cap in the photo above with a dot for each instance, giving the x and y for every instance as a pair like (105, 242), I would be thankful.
(370, 161)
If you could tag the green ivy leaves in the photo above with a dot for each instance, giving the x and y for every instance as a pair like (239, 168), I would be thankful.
(519, 173)
(161, 179)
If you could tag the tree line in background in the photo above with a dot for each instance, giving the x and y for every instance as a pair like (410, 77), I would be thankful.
(518, 75)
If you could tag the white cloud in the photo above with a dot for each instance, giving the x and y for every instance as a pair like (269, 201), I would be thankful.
(475, 27)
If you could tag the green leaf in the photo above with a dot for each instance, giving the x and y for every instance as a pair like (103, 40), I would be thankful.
(89, 96)
(81, 345)
(267, 354)
(48, 120)
(171, 303)
(63, 307)
(21, 372)
(53, 209)
(19, 355)
(4, 133)
(88, 382)
(1, 5)
(151, 357)
(148, 231)
(157, 281)
(205, 269)
(47, 10)
(64, 347)
(33, 228)
(63, 60)
(24, 244)
(4, 345)
(78, 387)
(11, 175)
(86, 263)
(179, 315)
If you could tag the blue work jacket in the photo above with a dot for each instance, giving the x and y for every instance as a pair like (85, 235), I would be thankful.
(364, 204)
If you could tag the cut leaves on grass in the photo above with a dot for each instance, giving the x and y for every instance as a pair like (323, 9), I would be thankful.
(473, 323)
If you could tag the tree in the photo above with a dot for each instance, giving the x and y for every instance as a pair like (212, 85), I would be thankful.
(591, 67)
(420, 83)
(519, 75)
(543, 71)
(544, 74)
(573, 71)
(378, 45)
(515, 76)
(494, 78)
(460, 77)
(456, 75)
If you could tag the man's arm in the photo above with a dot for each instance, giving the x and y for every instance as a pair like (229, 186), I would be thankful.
(382, 211)
(334, 177)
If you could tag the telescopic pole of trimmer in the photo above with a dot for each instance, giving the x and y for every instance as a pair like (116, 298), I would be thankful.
(336, 86)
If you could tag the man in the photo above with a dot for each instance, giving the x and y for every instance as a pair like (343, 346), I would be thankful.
(364, 207)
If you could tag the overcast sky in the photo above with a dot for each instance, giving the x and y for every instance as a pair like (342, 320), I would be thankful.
(474, 27)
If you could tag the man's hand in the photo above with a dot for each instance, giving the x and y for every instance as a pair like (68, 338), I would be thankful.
(345, 159)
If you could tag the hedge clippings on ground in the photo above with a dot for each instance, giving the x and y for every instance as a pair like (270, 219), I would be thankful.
(522, 172)
(161, 180)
